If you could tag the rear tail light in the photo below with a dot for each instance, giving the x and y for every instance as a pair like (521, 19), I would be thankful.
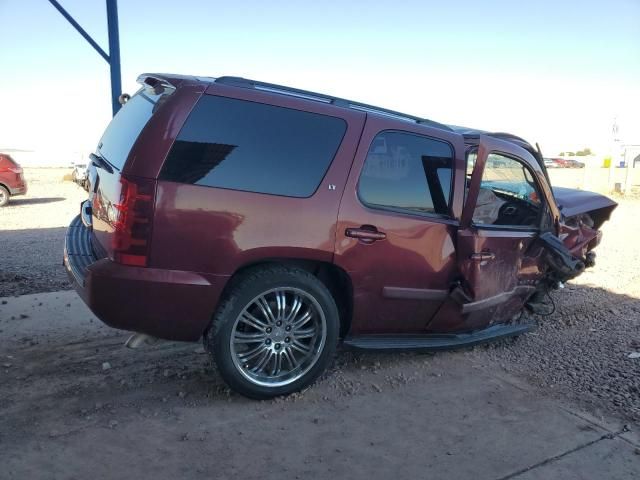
(133, 221)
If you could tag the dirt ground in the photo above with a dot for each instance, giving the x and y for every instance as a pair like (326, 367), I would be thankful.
(32, 231)
(74, 401)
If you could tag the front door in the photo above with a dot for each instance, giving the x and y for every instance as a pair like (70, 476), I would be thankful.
(395, 233)
(498, 257)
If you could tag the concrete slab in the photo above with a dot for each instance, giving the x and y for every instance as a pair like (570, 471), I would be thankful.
(163, 412)
(607, 458)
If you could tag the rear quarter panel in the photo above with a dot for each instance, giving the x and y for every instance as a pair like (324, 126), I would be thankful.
(152, 146)
(144, 160)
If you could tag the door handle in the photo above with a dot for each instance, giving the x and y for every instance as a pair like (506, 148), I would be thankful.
(366, 234)
(482, 256)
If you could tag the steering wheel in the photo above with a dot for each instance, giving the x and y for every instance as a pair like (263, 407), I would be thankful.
(509, 209)
(512, 213)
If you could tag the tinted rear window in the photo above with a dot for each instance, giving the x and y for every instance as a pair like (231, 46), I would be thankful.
(254, 147)
(125, 127)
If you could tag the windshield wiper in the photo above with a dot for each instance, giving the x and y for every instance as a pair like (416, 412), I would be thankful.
(100, 162)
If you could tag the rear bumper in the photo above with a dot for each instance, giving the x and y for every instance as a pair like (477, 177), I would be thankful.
(170, 304)
(19, 189)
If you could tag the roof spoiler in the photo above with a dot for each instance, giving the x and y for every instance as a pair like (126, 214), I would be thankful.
(156, 83)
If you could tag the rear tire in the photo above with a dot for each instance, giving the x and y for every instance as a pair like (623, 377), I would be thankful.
(4, 196)
(274, 333)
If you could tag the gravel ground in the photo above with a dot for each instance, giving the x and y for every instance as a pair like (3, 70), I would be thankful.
(32, 231)
(581, 352)
(589, 349)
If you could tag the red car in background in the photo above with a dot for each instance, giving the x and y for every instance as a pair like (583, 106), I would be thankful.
(568, 163)
(12, 180)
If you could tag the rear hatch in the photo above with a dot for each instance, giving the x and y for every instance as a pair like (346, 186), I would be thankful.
(121, 205)
(12, 172)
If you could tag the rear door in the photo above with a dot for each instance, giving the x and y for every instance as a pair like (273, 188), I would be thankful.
(498, 256)
(396, 226)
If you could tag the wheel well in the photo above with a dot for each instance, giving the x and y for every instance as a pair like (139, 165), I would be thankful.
(333, 277)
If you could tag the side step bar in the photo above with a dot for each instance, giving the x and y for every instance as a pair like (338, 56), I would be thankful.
(434, 341)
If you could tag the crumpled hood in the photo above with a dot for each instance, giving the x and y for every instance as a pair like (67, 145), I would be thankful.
(574, 202)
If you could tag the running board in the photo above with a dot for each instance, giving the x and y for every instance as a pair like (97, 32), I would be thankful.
(434, 341)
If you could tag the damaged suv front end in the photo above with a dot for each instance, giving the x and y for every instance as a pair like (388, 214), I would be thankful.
(519, 237)
(572, 249)
(569, 244)
(583, 214)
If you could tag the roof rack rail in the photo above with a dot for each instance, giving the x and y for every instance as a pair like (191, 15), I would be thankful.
(320, 97)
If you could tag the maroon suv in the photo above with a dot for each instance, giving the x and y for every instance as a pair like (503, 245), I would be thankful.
(272, 222)
(12, 180)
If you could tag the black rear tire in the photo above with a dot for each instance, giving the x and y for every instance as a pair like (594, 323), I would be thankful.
(267, 283)
(4, 196)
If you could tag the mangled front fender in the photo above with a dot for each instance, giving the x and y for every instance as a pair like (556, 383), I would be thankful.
(583, 213)
(573, 203)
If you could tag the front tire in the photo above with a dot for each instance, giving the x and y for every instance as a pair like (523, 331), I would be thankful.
(275, 332)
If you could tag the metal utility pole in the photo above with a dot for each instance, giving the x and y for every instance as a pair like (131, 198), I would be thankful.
(113, 57)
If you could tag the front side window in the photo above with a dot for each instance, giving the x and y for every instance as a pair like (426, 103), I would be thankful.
(508, 194)
(249, 146)
(407, 172)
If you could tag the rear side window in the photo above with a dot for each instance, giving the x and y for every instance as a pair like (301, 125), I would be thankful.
(407, 172)
(254, 147)
(125, 127)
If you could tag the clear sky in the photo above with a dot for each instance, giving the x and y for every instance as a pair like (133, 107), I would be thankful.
(553, 71)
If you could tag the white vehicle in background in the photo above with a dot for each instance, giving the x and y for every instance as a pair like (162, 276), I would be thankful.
(551, 163)
(80, 174)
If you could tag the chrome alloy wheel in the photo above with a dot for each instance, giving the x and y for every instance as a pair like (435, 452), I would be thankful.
(278, 337)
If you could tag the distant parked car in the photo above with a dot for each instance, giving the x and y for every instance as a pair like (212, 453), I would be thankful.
(12, 180)
(551, 163)
(568, 163)
(79, 174)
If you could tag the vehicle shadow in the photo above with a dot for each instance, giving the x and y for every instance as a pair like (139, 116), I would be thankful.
(35, 201)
